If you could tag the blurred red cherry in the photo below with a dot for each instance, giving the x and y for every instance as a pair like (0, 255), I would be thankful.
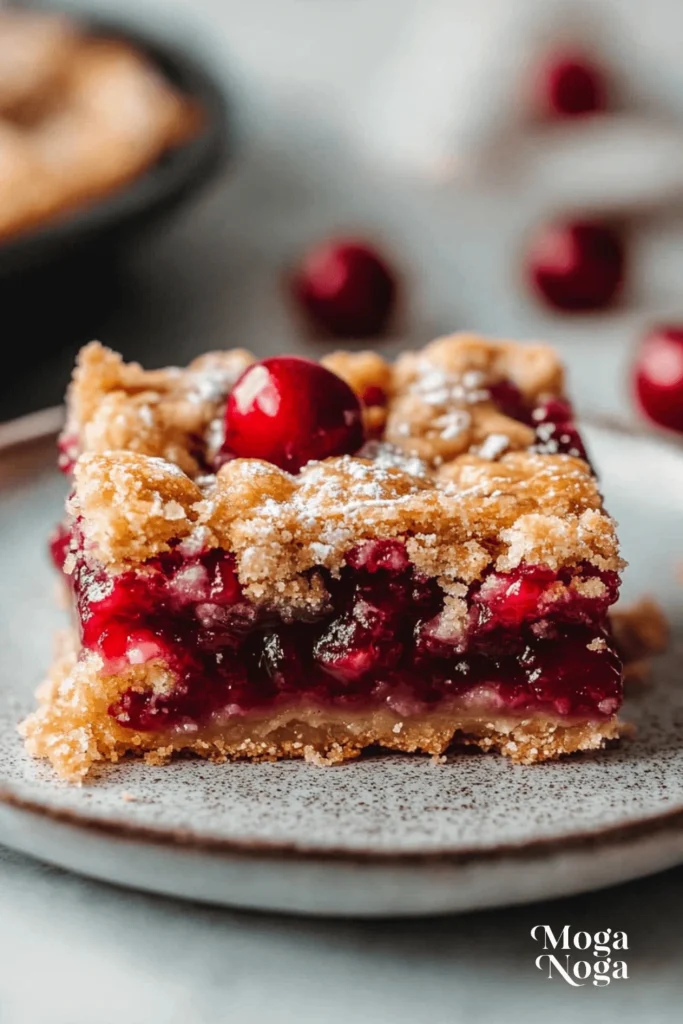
(568, 84)
(658, 376)
(576, 265)
(346, 288)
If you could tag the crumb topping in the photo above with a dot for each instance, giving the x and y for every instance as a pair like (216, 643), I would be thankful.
(451, 475)
(442, 405)
(434, 404)
(168, 413)
(526, 508)
(128, 510)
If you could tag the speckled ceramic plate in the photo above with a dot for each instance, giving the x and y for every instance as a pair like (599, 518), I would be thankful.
(382, 836)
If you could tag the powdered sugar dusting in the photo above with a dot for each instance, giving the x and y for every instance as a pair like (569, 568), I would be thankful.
(436, 386)
(493, 447)
(214, 375)
(389, 456)
(447, 472)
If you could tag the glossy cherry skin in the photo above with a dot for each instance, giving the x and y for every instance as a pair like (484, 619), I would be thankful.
(288, 411)
(577, 266)
(346, 288)
(658, 377)
(568, 85)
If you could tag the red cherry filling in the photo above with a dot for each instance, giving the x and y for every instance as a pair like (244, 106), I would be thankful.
(574, 677)
(556, 432)
(569, 85)
(533, 598)
(509, 603)
(533, 592)
(374, 395)
(288, 410)
(509, 399)
(387, 639)
(346, 288)
(658, 377)
(576, 266)
(553, 420)
(59, 545)
(358, 644)
(67, 446)
(379, 554)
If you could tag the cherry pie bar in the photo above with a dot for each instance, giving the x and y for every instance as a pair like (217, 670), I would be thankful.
(296, 559)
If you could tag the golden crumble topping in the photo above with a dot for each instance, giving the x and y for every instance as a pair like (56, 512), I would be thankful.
(148, 435)
(371, 377)
(525, 508)
(441, 406)
(168, 413)
(434, 404)
(128, 503)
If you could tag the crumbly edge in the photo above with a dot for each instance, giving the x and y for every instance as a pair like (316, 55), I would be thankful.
(113, 405)
(445, 469)
(641, 631)
(525, 508)
(72, 729)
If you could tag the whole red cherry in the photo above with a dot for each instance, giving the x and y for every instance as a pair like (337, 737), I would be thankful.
(568, 84)
(346, 288)
(577, 265)
(287, 410)
(658, 376)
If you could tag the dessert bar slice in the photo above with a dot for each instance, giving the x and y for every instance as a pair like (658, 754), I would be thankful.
(288, 559)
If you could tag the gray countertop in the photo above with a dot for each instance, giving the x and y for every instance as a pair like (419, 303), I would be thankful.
(75, 952)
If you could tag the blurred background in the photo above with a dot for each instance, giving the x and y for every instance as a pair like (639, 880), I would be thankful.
(455, 139)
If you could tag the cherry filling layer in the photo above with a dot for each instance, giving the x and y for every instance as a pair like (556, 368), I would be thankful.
(552, 420)
(529, 641)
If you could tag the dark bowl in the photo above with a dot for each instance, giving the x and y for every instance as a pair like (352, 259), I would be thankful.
(175, 177)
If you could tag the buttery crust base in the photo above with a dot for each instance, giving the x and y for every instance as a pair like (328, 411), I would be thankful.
(72, 729)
